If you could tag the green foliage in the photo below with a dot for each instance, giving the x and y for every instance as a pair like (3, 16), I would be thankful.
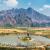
(7, 25)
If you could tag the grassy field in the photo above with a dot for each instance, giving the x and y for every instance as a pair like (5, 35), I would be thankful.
(22, 30)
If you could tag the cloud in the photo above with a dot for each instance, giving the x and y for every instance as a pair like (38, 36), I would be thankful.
(29, 4)
(11, 3)
(45, 9)
(41, 9)
(46, 6)
(8, 4)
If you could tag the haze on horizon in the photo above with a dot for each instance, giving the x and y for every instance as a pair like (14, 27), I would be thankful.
(42, 6)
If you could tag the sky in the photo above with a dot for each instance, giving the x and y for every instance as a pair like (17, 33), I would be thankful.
(42, 6)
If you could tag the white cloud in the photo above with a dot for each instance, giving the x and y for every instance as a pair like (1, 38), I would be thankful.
(29, 4)
(46, 6)
(8, 4)
(45, 10)
(11, 3)
(41, 9)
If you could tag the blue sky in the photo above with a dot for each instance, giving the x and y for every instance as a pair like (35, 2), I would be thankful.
(42, 6)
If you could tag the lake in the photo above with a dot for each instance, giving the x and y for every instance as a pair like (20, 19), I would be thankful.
(14, 40)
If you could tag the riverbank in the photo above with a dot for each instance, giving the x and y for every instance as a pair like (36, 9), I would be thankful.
(24, 48)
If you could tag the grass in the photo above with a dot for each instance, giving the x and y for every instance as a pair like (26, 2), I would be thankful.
(8, 48)
(2, 48)
(18, 30)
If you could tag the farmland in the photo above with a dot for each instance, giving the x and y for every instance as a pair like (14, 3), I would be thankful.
(21, 30)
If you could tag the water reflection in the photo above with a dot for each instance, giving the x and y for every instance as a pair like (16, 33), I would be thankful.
(15, 40)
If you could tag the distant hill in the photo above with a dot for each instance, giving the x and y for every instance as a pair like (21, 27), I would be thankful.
(23, 17)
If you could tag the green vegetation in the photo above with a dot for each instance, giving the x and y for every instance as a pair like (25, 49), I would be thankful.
(29, 30)
(2, 48)
(8, 48)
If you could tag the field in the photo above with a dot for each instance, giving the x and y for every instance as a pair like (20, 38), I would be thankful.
(22, 30)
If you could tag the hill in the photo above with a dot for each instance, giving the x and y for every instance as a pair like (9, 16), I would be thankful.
(23, 17)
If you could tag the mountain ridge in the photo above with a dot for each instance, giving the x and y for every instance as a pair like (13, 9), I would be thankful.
(23, 17)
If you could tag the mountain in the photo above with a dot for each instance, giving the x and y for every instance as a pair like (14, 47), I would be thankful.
(23, 17)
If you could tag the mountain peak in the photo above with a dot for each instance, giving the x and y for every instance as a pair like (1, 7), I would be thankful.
(29, 8)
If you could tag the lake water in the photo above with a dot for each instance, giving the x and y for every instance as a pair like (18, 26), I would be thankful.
(14, 40)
